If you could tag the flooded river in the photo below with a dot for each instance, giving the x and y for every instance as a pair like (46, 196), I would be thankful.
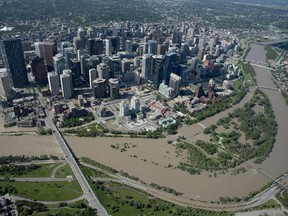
(149, 159)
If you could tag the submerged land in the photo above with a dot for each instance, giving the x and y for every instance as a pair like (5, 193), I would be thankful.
(201, 130)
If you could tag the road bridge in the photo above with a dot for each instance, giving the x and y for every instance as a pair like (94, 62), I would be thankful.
(261, 66)
(269, 88)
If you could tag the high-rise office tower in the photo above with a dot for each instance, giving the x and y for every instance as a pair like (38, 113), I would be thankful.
(170, 61)
(92, 76)
(115, 43)
(146, 65)
(39, 70)
(161, 49)
(40, 36)
(145, 48)
(77, 44)
(59, 64)
(128, 46)
(99, 88)
(152, 47)
(108, 47)
(103, 71)
(26, 45)
(135, 104)
(114, 88)
(5, 85)
(39, 49)
(75, 67)
(50, 49)
(157, 70)
(90, 32)
(116, 28)
(125, 65)
(123, 108)
(81, 53)
(177, 37)
(115, 66)
(84, 61)
(184, 51)
(94, 61)
(66, 87)
(194, 63)
(65, 44)
(98, 46)
(91, 46)
(68, 54)
(81, 34)
(174, 83)
(53, 82)
(137, 61)
(14, 62)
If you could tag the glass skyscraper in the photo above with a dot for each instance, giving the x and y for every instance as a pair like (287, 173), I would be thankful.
(13, 59)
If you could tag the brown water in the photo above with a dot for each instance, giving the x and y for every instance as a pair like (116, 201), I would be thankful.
(158, 154)
(277, 163)
(29, 145)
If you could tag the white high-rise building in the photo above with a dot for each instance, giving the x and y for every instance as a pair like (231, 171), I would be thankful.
(174, 83)
(146, 65)
(108, 47)
(53, 82)
(92, 76)
(66, 87)
(135, 104)
(123, 108)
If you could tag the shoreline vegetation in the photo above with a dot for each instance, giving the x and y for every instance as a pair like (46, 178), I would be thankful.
(225, 151)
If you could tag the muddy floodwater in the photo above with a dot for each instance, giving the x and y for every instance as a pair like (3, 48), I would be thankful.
(155, 160)
(29, 145)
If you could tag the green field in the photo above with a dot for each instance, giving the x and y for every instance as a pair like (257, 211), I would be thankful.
(283, 198)
(79, 208)
(270, 204)
(64, 171)
(42, 170)
(44, 191)
(93, 173)
(121, 200)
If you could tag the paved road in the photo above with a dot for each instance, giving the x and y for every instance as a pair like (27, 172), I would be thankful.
(14, 198)
(91, 198)
(39, 162)
(258, 200)
(122, 181)
(262, 197)
(53, 174)
(270, 212)
(40, 179)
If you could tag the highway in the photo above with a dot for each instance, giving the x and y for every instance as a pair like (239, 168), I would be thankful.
(88, 192)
